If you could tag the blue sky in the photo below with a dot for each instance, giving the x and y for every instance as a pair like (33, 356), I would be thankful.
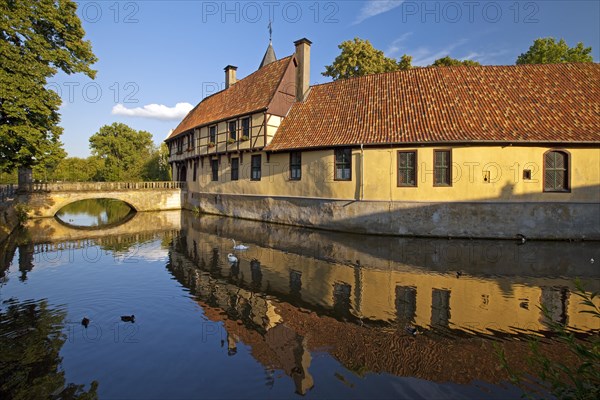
(159, 58)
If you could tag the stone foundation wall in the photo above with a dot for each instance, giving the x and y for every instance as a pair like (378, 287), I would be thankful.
(500, 220)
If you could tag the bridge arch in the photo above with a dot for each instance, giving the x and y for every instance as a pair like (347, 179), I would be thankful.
(45, 200)
(67, 203)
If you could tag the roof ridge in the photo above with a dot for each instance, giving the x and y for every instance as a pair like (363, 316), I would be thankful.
(456, 67)
(520, 104)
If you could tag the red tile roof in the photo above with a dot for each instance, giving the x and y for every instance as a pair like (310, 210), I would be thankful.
(529, 103)
(253, 93)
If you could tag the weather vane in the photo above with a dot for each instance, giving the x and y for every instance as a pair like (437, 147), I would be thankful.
(270, 30)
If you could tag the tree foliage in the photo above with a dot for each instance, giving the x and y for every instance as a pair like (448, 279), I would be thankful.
(548, 51)
(452, 62)
(157, 167)
(359, 58)
(37, 38)
(123, 150)
(74, 169)
(123, 154)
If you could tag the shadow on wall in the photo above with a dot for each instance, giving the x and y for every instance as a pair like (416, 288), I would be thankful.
(556, 218)
(488, 218)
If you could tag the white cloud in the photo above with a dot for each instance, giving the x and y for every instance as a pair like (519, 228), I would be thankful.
(485, 57)
(396, 45)
(154, 111)
(423, 56)
(376, 7)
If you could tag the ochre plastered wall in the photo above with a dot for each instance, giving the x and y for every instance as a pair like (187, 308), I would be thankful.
(375, 178)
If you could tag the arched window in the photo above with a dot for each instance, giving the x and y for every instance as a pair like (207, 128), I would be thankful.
(556, 171)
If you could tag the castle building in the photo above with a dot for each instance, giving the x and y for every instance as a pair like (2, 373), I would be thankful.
(486, 151)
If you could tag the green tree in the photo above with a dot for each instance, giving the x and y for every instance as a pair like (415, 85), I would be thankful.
(548, 51)
(74, 169)
(157, 167)
(37, 38)
(405, 62)
(359, 58)
(451, 62)
(123, 150)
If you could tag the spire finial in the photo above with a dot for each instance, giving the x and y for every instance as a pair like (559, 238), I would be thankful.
(270, 30)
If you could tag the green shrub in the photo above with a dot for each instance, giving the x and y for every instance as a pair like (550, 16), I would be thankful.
(581, 381)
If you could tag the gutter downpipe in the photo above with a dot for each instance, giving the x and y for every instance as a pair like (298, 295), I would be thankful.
(362, 172)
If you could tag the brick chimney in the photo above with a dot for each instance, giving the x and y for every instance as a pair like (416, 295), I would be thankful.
(303, 68)
(230, 77)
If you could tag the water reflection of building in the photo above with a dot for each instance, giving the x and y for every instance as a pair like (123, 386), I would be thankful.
(350, 276)
(282, 334)
(273, 344)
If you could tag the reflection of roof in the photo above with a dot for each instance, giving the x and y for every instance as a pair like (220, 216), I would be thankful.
(527, 103)
(253, 93)
(375, 349)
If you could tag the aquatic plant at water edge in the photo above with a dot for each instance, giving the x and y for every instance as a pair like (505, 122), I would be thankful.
(581, 381)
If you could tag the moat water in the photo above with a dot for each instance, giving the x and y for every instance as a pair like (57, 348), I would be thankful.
(300, 313)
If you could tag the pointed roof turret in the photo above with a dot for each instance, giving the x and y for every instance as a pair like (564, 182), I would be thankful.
(269, 56)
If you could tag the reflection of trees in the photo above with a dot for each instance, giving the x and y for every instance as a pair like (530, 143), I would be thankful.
(8, 249)
(106, 211)
(31, 338)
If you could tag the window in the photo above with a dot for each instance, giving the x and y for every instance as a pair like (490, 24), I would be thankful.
(406, 303)
(407, 168)
(341, 299)
(191, 141)
(212, 134)
(440, 307)
(246, 127)
(214, 165)
(556, 171)
(442, 174)
(179, 146)
(343, 164)
(195, 169)
(255, 170)
(235, 169)
(295, 166)
(295, 283)
(233, 130)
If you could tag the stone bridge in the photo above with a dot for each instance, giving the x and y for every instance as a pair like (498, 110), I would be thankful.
(46, 199)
